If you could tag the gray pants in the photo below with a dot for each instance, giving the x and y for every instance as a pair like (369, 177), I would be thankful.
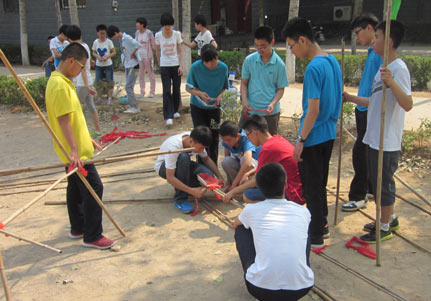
(232, 165)
(131, 76)
(86, 98)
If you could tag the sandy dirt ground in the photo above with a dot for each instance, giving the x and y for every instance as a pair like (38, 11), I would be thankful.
(168, 255)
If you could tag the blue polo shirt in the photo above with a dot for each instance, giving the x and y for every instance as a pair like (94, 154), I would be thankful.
(210, 81)
(244, 145)
(263, 80)
(372, 65)
(322, 80)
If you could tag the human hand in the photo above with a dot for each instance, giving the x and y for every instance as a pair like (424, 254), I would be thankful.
(180, 70)
(221, 180)
(386, 75)
(347, 97)
(269, 109)
(245, 106)
(198, 192)
(91, 91)
(244, 179)
(182, 36)
(218, 100)
(75, 161)
(205, 97)
(92, 63)
(227, 197)
(96, 145)
(298, 151)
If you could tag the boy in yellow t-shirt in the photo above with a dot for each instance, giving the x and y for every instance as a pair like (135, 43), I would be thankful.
(68, 122)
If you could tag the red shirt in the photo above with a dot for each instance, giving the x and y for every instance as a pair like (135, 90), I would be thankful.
(277, 149)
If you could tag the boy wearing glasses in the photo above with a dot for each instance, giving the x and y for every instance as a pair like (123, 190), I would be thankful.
(263, 79)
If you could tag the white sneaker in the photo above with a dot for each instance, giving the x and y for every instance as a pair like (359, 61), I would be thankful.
(169, 122)
(151, 95)
(354, 205)
(177, 115)
(131, 110)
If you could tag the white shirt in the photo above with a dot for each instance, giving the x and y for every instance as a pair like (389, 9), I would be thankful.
(280, 232)
(173, 143)
(168, 48)
(394, 116)
(78, 81)
(203, 39)
(142, 37)
(103, 49)
(59, 46)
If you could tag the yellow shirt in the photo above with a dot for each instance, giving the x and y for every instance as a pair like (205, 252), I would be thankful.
(61, 99)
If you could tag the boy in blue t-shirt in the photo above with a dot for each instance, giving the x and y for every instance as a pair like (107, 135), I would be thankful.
(206, 82)
(240, 154)
(321, 103)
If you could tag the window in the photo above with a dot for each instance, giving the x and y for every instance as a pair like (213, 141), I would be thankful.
(10, 6)
(79, 3)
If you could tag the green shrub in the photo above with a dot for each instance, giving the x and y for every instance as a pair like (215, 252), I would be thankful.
(11, 94)
(420, 70)
(37, 87)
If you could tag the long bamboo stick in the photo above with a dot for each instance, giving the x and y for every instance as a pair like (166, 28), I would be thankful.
(4, 280)
(144, 150)
(220, 193)
(7, 233)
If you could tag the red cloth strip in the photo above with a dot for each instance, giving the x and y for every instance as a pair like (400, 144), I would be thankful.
(364, 249)
(112, 136)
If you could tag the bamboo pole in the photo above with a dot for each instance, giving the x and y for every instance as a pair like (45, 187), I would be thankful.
(54, 136)
(382, 139)
(220, 193)
(4, 280)
(145, 150)
(412, 189)
(340, 141)
(7, 233)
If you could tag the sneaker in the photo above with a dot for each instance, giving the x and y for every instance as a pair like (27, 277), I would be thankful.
(394, 226)
(131, 110)
(102, 243)
(184, 207)
(371, 237)
(151, 95)
(326, 232)
(169, 122)
(316, 242)
(354, 205)
(75, 235)
(96, 134)
(177, 115)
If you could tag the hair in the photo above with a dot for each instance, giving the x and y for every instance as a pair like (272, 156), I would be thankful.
(364, 20)
(63, 29)
(101, 27)
(112, 30)
(208, 53)
(256, 122)
(229, 128)
(166, 19)
(264, 33)
(74, 50)
(396, 32)
(142, 20)
(298, 27)
(200, 19)
(271, 180)
(73, 32)
(202, 134)
(50, 37)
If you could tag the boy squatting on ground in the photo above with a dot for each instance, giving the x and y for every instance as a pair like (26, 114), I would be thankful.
(203, 38)
(240, 155)
(272, 241)
(180, 171)
(57, 44)
(130, 58)
(321, 103)
(68, 123)
(144, 36)
(103, 51)
(364, 28)
(84, 80)
(274, 149)
(398, 101)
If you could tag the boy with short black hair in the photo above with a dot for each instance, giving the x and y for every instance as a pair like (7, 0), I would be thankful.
(68, 123)
(272, 241)
(180, 171)
(396, 77)
(321, 103)
(58, 43)
(130, 59)
(145, 36)
(204, 37)
(240, 154)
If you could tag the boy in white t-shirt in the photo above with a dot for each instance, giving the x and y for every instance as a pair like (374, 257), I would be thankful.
(272, 241)
(103, 51)
(84, 80)
(57, 44)
(145, 36)
(396, 76)
(204, 37)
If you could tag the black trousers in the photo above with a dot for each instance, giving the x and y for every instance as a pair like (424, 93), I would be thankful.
(211, 119)
(85, 214)
(247, 254)
(171, 96)
(272, 121)
(314, 170)
(360, 184)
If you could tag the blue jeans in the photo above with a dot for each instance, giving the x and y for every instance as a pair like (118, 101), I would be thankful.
(104, 73)
(186, 171)
(49, 67)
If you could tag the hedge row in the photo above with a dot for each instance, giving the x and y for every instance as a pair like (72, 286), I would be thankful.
(11, 94)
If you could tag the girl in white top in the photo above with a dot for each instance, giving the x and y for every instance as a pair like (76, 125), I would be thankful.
(144, 36)
(204, 37)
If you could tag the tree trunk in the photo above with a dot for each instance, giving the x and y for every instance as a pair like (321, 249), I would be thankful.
(23, 33)
(261, 13)
(73, 11)
(176, 14)
(187, 56)
(58, 13)
(290, 58)
(357, 10)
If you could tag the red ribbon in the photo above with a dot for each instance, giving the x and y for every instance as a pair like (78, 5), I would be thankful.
(364, 249)
(81, 170)
(112, 136)
(1, 227)
(319, 250)
(211, 183)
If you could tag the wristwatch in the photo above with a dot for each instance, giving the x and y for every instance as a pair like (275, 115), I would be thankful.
(300, 139)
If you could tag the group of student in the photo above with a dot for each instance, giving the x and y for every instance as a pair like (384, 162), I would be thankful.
(274, 232)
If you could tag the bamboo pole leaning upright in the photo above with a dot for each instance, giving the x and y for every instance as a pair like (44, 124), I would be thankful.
(54, 136)
(382, 136)
(340, 141)
(4, 280)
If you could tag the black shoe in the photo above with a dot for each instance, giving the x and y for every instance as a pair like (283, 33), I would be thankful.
(316, 241)
(394, 226)
(325, 231)
(371, 237)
